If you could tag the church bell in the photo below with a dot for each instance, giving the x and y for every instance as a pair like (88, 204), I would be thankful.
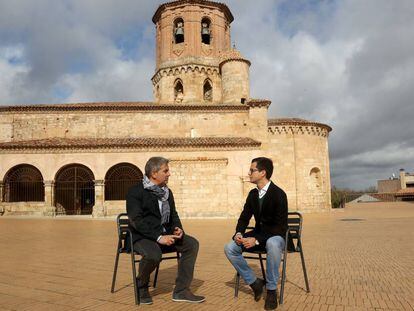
(179, 31)
(205, 30)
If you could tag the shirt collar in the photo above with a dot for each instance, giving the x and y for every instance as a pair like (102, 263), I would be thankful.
(265, 187)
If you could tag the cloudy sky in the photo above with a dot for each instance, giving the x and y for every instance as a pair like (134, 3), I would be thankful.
(349, 64)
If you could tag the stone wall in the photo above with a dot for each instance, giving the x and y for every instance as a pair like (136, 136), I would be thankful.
(235, 80)
(192, 78)
(201, 187)
(385, 186)
(301, 158)
(192, 15)
(28, 126)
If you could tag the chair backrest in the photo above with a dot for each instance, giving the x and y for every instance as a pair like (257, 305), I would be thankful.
(295, 221)
(122, 223)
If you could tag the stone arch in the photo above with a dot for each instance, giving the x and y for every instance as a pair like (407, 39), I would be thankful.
(24, 183)
(178, 30)
(208, 90)
(74, 190)
(119, 178)
(316, 178)
(178, 91)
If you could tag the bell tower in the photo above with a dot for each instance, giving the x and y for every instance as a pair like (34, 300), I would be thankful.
(192, 37)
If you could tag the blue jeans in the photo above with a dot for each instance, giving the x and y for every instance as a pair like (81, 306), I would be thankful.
(274, 249)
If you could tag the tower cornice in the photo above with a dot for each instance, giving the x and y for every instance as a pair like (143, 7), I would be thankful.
(175, 70)
(219, 5)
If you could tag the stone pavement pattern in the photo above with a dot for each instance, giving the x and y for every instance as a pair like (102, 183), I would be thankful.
(359, 258)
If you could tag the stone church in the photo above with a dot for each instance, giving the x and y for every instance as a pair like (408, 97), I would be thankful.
(80, 159)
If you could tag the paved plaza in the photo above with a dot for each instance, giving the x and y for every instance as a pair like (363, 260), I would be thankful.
(358, 258)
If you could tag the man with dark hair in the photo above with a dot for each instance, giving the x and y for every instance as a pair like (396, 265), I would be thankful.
(155, 226)
(268, 204)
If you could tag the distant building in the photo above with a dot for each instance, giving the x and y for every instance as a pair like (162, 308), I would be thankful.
(365, 198)
(402, 187)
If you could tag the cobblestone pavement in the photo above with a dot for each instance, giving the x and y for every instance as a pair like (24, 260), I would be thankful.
(358, 258)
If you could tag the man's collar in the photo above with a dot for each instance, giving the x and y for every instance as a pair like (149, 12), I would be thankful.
(265, 186)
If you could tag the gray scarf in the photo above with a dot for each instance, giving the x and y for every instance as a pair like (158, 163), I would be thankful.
(162, 195)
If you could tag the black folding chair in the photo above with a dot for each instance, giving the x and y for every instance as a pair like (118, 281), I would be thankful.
(125, 246)
(293, 245)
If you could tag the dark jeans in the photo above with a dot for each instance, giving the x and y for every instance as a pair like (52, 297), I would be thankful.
(151, 253)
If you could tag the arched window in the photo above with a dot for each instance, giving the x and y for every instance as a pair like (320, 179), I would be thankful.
(119, 179)
(205, 31)
(316, 178)
(179, 30)
(178, 91)
(74, 190)
(23, 183)
(208, 91)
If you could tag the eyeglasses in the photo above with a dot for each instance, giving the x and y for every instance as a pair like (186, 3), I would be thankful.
(252, 170)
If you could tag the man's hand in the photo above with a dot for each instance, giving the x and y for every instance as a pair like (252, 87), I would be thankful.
(238, 238)
(178, 232)
(168, 239)
(249, 242)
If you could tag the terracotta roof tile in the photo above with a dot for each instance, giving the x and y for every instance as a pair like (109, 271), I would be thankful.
(121, 106)
(297, 121)
(404, 192)
(132, 143)
(254, 102)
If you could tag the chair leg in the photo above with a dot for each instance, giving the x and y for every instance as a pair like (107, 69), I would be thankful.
(236, 285)
(156, 276)
(115, 268)
(134, 278)
(262, 267)
(282, 283)
(305, 275)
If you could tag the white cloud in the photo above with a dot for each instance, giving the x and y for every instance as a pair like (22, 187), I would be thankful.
(13, 72)
(118, 80)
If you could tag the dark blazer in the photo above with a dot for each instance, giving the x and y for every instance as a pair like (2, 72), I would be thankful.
(144, 214)
(271, 220)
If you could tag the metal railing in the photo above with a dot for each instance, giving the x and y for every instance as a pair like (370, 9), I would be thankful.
(117, 189)
(74, 198)
(24, 191)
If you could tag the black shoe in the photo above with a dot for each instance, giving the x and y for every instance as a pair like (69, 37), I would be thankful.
(271, 300)
(257, 287)
(187, 296)
(144, 296)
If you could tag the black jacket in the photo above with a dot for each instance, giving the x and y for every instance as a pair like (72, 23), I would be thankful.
(144, 214)
(271, 220)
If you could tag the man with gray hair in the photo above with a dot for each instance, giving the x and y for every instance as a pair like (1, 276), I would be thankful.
(155, 227)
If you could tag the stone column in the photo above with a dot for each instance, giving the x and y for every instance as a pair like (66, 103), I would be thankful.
(1, 190)
(2, 211)
(98, 208)
(50, 209)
